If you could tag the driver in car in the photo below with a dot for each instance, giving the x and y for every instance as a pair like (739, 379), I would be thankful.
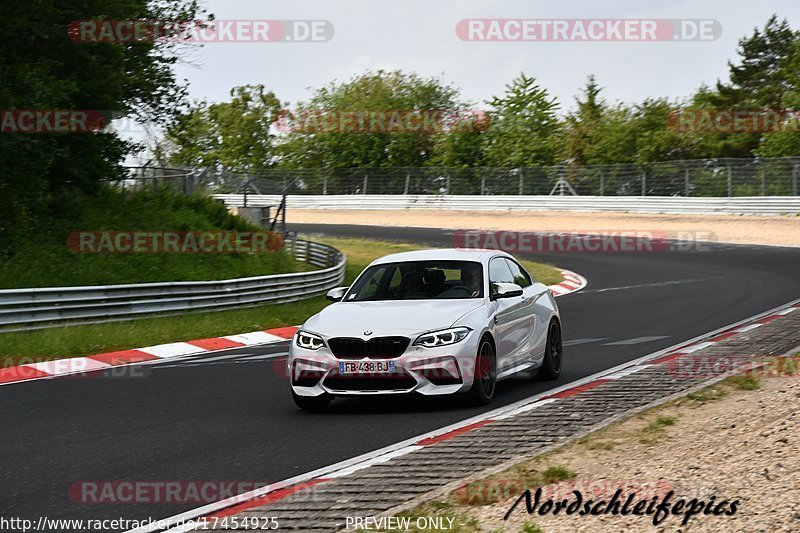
(413, 284)
(471, 280)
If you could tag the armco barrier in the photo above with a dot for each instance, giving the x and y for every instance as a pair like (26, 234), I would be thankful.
(756, 205)
(25, 309)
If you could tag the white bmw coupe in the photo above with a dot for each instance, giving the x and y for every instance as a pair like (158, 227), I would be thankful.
(431, 322)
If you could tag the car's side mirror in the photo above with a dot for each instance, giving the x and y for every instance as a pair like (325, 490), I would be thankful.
(336, 295)
(506, 290)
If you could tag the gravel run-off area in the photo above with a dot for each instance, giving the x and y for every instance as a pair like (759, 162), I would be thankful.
(743, 229)
(726, 441)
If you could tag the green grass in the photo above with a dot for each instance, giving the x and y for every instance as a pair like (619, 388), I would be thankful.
(600, 445)
(656, 429)
(530, 527)
(72, 341)
(553, 474)
(743, 382)
(46, 260)
(510, 483)
(706, 395)
(361, 252)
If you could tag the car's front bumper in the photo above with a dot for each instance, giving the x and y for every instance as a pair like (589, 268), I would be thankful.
(428, 371)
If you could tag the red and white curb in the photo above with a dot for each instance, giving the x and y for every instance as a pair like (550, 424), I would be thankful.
(79, 365)
(282, 489)
(572, 283)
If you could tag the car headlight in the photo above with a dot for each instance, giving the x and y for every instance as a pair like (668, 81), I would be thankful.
(308, 341)
(442, 337)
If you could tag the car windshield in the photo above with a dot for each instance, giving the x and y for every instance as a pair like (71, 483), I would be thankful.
(418, 280)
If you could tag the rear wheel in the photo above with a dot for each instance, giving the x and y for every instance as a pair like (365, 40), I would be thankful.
(485, 380)
(553, 353)
(312, 403)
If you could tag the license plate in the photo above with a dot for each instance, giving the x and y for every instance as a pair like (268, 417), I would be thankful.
(366, 367)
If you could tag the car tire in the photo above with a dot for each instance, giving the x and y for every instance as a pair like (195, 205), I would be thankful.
(553, 354)
(312, 403)
(485, 380)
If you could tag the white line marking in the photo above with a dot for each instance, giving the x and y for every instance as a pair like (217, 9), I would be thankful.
(644, 285)
(576, 342)
(377, 460)
(626, 372)
(637, 340)
(201, 360)
(697, 347)
(747, 328)
(525, 409)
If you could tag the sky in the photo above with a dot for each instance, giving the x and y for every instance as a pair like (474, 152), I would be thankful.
(420, 36)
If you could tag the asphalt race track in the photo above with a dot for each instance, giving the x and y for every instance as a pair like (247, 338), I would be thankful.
(228, 416)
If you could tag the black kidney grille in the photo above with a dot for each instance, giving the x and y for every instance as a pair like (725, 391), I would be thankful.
(377, 348)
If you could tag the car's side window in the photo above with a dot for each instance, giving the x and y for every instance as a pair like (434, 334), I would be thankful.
(499, 273)
(521, 276)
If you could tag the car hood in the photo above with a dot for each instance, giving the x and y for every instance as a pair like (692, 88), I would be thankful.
(352, 319)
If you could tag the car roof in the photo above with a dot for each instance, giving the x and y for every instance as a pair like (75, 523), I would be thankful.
(446, 254)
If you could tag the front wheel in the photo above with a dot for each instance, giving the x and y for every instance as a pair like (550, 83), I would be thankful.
(553, 354)
(312, 403)
(485, 379)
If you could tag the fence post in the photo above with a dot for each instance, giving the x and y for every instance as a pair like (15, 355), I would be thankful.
(366, 179)
(602, 183)
(447, 186)
(188, 179)
(283, 216)
(730, 182)
(644, 183)
(483, 184)
(325, 184)
(764, 181)
(794, 179)
(521, 178)
(686, 182)
(408, 181)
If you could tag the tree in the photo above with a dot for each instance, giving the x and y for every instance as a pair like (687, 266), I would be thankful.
(232, 135)
(377, 119)
(42, 69)
(786, 141)
(523, 124)
(765, 78)
(581, 127)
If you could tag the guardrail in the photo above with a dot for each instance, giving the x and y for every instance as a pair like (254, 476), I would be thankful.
(759, 205)
(26, 309)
